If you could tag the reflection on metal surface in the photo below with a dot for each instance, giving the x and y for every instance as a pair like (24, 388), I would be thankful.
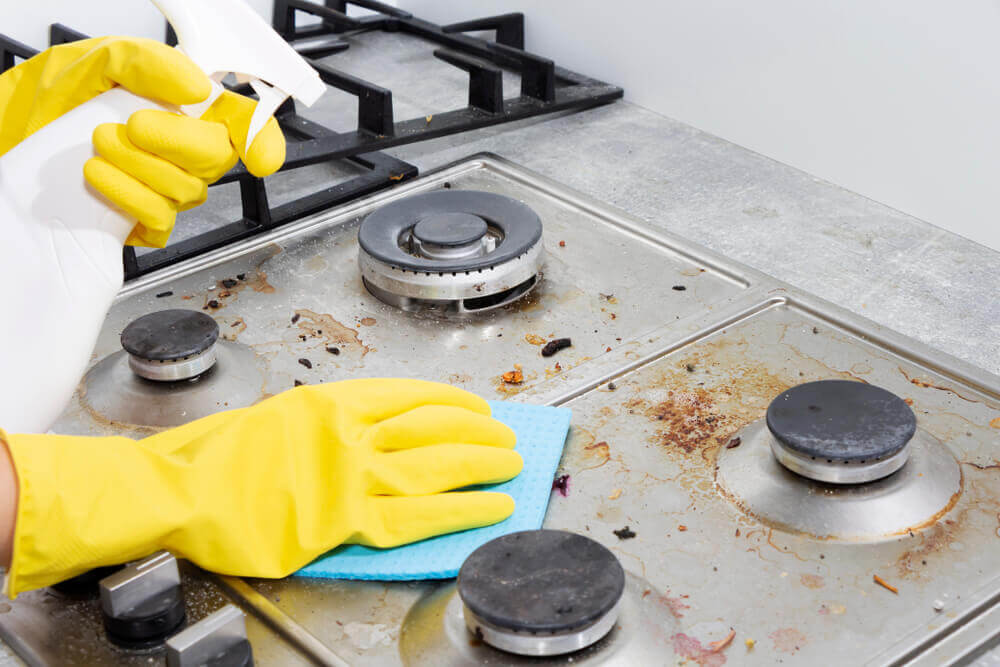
(435, 633)
(112, 391)
(220, 636)
(918, 494)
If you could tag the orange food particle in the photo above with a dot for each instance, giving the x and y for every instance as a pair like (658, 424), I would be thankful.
(515, 376)
(884, 584)
(682, 528)
(562, 244)
(715, 647)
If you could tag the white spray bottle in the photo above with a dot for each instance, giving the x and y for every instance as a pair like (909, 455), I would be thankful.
(61, 242)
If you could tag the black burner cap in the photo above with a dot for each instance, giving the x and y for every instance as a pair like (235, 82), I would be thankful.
(841, 420)
(169, 335)
(381, 232)
(544, 581)
(450, 229)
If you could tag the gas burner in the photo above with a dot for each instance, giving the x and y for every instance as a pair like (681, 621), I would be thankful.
(541, 593)
(173, 369)
(840, 460)
(451, 251)
(841, 432)
(544, 597)
(171, 345)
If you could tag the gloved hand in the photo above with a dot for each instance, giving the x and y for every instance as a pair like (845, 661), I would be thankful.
(262, 491)
(159, 163)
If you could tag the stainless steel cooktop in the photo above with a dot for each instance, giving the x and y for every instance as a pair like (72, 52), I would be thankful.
(676, 354)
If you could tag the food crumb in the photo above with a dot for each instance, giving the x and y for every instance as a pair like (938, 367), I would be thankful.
(429, 118)
(561, 484)
(678, 288)
(241, 276)
(299, 383)
(612, 386)
(908, 401)
(689, 368)
(554, 346)
(885, 584)
(815, 330)
(295, 318)
(333, 350)
(305, 362)
(446, 185)
(625, 533)
(515, 376)
(229, 283)
(367, 321)
(615, 495)
(750, 644)
(682, 528)
(607, 349)
(163, 294)
(562, 244)
(236, 323)
(734, 443)
(211, 304)
(715, 647)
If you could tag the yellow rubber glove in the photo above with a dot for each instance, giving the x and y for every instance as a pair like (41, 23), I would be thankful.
(264, 490)
(158, 163)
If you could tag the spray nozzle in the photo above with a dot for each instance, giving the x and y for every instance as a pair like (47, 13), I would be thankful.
(228, 37)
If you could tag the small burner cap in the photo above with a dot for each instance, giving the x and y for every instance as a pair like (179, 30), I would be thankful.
(541, 582)
(170, 335)
(381, 233)
(450, 229)
(859, 427)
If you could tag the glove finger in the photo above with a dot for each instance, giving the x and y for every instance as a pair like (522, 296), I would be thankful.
(267, 153)
(396, 520)
(154, 70)
(438, 468)
(112, 143)
(154, 212)
(439, 424)
(377, 399)
(196, 146)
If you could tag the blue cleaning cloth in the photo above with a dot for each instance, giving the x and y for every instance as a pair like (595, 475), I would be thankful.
(541, 434)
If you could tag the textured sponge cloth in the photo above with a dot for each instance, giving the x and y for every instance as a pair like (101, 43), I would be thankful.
(541, 434)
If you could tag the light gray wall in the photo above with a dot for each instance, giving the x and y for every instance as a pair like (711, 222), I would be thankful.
(898, 100)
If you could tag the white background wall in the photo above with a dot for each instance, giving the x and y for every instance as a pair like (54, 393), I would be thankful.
(896, 99)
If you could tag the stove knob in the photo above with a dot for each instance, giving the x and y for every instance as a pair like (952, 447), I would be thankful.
(219, 640)
(142, 604)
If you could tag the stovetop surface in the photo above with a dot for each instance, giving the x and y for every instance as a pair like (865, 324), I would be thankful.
(693, 369)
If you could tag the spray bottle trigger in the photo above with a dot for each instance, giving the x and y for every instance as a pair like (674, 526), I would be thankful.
(269, 99)
(198, 110)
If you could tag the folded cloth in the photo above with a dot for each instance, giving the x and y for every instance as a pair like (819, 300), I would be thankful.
(541, 434)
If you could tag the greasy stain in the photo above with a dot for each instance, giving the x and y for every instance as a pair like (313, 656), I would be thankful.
(813, 581)
(788, 640)
(368, 321)
(929, 385)
(690, 648)
(995, 423)
(321, 325)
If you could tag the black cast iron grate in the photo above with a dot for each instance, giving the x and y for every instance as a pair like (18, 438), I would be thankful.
(545, 88)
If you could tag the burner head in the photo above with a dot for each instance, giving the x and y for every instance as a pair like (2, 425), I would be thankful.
(451, 250)
(840, 431)
(541, 592)
(171, 345)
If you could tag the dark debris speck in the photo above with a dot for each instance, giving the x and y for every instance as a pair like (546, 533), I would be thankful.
(241, 276)
(229, 283)
(446, 185)
(625, 533)
(612, 386)
(561, 484)
(734, 443)
(299, 383)
(333, 350)
(305, 362)
(554, 346)
(295, 318)
(689, 367)
(211, 304)
(678, 288)
(815, 330)
(163, 294)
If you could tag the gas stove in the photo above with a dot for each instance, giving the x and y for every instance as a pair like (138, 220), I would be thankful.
(752, 475)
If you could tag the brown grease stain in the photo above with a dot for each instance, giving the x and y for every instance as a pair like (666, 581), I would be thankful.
(813, 581)
(788, 640)
(324, 326)
(995, 423)
(368, 321)
(928, 385)
(690, 648)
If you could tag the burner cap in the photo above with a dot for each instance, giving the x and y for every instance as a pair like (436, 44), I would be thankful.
(450, 229)
(840, 431)
(451, 250)
(171, 344)
(524, 589)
